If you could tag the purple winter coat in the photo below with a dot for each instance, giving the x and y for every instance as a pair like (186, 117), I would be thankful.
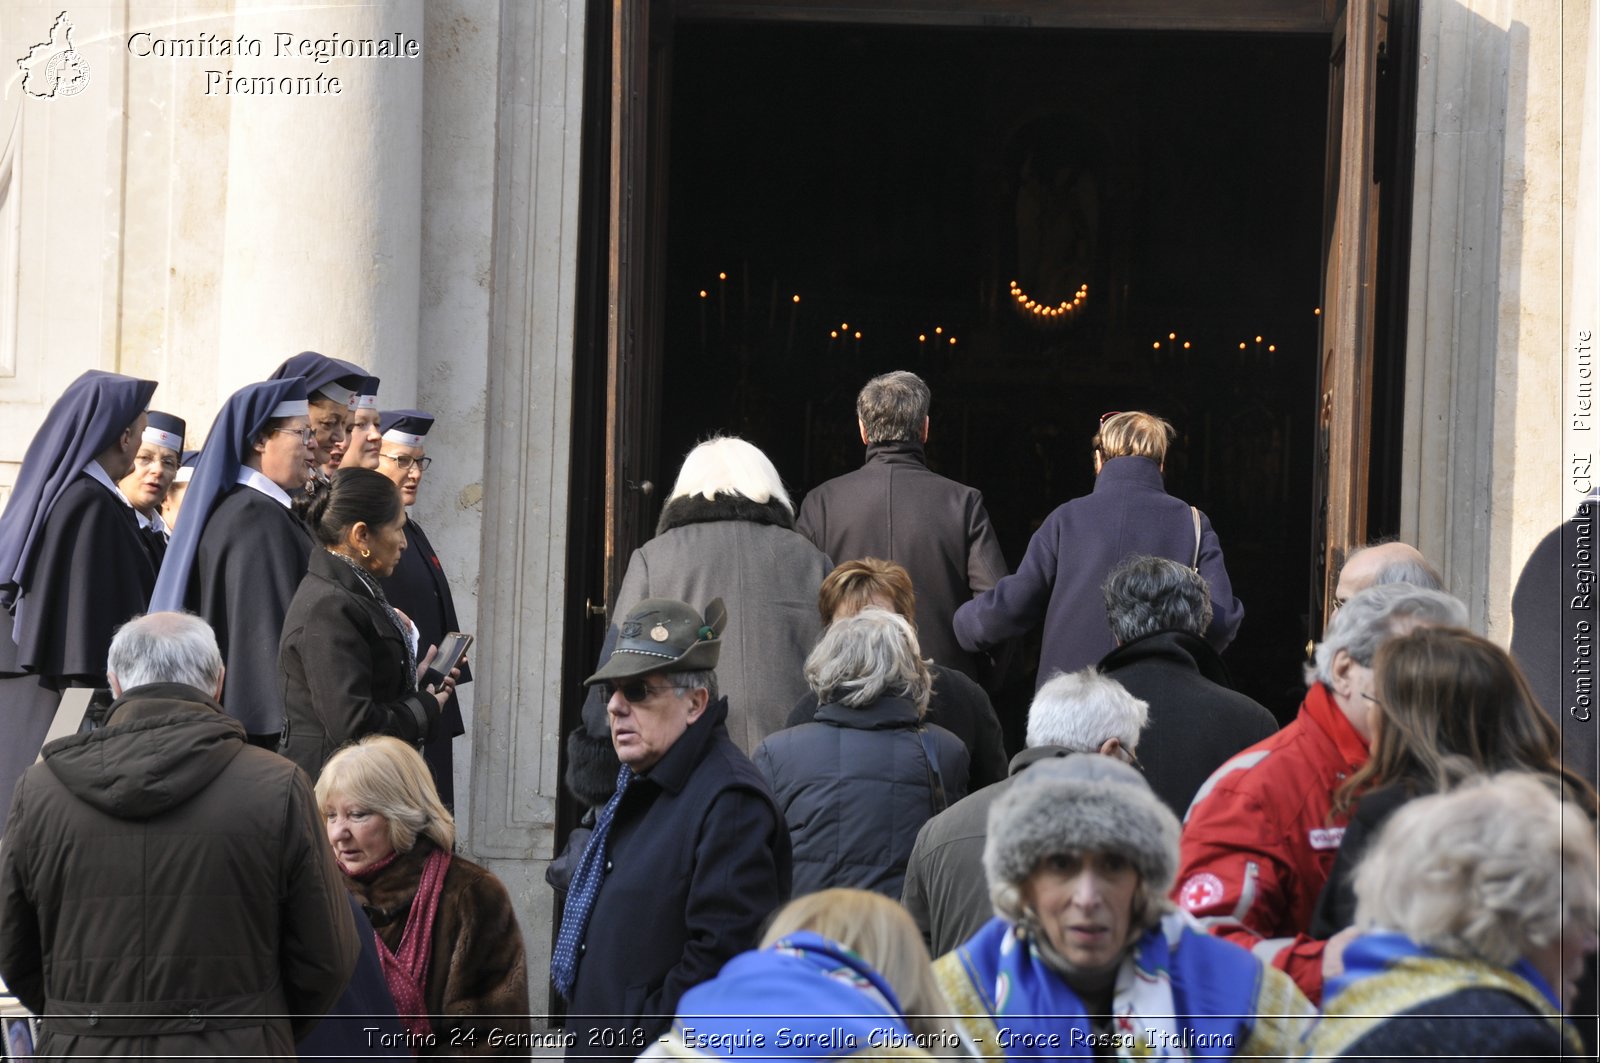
(1129, 512)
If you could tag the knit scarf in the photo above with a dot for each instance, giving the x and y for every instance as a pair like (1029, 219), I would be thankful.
(406, 971)
(1162, 1006)
(1388, 974)
(394, 616)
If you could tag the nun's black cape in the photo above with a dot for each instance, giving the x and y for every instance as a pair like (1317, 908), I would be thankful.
(252, 556)
(419, 589)
(155, 547)
(74, 566)
(237, 557)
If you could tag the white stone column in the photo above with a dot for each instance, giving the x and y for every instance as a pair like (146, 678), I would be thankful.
(1482, 478)
(527, 438)
(324, 209)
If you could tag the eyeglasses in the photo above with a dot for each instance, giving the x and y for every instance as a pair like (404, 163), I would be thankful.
(1128, 758)
(1372, 699)
(144, 461)
(1104, 417)
(308, 436)
(404, 462)
(634, 690)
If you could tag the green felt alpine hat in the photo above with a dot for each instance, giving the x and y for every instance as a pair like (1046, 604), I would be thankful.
(663, 635)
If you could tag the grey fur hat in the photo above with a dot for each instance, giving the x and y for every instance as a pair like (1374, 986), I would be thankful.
(1084, 801)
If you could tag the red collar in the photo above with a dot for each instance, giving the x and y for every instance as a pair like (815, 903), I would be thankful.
(1320, 708)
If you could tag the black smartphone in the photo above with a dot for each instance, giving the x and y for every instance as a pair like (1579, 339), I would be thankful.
(452, 648)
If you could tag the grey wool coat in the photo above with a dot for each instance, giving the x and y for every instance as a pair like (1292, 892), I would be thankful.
(767, 574)
(167, 890)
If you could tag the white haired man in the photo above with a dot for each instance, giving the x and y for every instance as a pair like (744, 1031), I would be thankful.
(166, 890)
(896, 508)
(688, 856)
(1080, 712)
(1259, 840)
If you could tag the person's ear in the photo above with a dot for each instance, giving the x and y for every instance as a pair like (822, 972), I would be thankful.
(924, 439)
(1341, 669)
(1111, 747)
(700, 698)
(116, 687)
(359, 535)
(216, 695)
(1099, 462)
(862, 425)
(259, 444)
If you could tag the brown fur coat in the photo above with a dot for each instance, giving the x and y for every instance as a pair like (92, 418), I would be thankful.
(477, 983)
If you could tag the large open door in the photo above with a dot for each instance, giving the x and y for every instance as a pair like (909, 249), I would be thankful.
(1350, 303)
(640, 78)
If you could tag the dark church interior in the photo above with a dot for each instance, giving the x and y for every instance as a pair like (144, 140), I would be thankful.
(1046, 226)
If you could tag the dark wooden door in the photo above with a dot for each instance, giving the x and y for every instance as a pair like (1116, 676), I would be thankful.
(1349, 295)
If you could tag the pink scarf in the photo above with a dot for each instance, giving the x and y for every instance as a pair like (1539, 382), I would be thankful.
(407, 971)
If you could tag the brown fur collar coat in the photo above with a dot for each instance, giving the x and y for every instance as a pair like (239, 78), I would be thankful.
(477, 974)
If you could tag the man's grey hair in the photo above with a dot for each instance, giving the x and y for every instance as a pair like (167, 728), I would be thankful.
(893, 406)
(1380, 613)
(1410, 570)
(1081, 710)
(165, 648)
(1145, 595)
(693, 680)
(864, 657)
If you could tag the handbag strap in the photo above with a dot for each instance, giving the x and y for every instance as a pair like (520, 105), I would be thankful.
(935, 776)
(1195, 514)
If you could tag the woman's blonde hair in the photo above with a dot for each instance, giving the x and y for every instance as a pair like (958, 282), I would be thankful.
(386, 776)
(1485, 872)
(1135, 434)
(856, 585)
(882, 933)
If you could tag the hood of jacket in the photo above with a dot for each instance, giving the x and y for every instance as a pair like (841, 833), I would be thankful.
(1176, 647)
(163, 744)
(889, 713)
(697, 509)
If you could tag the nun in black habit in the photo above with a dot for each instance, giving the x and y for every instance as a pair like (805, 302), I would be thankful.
(155, 467)
(240, 551)
(418, 586)
(72, 567)
(332, 388)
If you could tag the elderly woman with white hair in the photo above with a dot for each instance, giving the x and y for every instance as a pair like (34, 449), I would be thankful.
(1086, 957)
(1477, 910)
(858, 782)
(727, 531)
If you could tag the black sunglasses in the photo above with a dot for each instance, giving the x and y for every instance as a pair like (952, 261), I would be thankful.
(634, 690)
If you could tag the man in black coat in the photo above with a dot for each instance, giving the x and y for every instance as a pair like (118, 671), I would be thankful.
(689, 855)
(896, 508)
(1158, 611)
